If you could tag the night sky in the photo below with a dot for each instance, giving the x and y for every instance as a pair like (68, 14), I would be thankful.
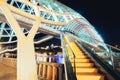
(104, 15)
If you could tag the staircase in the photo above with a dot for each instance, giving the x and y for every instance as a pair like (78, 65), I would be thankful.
(81, 64)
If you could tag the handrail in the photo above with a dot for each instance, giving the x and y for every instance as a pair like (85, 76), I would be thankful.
(93, 39)
(65, 66)
(68, 68)
(110, 53)
(110, 71)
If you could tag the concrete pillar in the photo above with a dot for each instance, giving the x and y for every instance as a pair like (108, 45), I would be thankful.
(26, 64)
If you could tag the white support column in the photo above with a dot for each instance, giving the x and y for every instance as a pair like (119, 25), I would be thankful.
(26, 64)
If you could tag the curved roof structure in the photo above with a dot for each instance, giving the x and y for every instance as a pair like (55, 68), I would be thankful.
(68, 20)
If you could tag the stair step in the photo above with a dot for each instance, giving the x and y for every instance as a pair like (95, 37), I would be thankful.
(79, 54)
(78, 65)
(79, 57)
(79, 60)
(86, 70)
(90, 77)
(70, 55)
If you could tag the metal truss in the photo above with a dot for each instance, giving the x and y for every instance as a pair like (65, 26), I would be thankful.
(7, 35)
(54, 13)
(12, 48)
(46, 13)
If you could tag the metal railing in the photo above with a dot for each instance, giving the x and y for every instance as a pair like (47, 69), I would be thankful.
(106, 52)
(69, 74)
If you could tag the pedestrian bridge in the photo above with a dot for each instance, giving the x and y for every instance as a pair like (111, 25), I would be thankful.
(25, 23)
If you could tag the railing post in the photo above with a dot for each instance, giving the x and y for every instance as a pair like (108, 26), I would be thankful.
(49, 72)
(44, 71)
(38, 70)
(54, 73)
(60, 75)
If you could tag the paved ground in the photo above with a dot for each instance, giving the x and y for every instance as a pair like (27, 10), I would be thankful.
(7, 73)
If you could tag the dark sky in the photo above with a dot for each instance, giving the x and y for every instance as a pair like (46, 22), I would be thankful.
(104, 15)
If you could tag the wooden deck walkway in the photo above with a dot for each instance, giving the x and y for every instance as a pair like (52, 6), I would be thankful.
(7, 73)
